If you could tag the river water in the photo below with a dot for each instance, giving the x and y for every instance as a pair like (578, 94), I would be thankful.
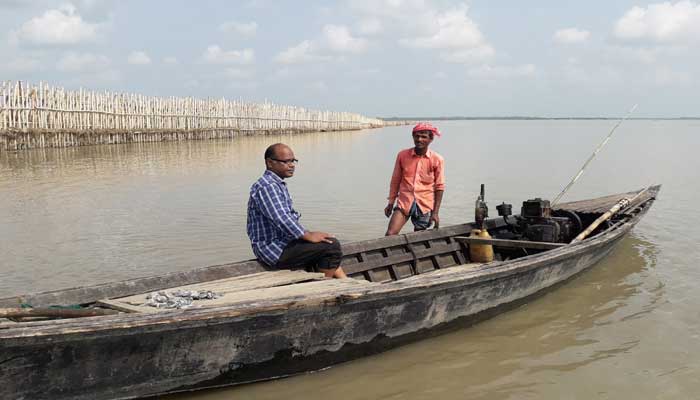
(627, 329)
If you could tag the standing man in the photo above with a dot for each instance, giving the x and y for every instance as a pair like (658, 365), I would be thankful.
(418, 183)
(277, 237)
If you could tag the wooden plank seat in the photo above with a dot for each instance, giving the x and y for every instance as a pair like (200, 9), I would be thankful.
(526, 244)
(458, 269)
(259, 286)
(6, 323)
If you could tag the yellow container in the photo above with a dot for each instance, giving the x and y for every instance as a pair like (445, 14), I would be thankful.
(480, 253)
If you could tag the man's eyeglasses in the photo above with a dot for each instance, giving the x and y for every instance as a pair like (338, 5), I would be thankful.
(291, 161)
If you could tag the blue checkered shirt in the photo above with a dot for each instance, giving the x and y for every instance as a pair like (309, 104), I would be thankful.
(272, 222)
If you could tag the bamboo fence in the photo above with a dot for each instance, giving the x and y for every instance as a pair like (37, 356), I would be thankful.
(42, 115)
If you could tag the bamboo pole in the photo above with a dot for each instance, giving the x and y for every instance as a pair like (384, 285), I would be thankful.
(621, 205)
(53, 312)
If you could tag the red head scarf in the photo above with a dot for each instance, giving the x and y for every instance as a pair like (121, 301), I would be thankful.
(424, 126)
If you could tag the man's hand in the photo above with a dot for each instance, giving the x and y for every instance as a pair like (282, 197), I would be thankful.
(318, 237)
(434, 218)
(387, 209)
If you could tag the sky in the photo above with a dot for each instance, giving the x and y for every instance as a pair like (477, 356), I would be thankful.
(383, 58)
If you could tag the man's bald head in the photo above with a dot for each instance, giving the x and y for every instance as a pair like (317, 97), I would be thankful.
(274, 150)
(279, 158)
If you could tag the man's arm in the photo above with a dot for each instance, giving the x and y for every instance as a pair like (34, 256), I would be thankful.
(317, 237)
(439, 188)
(434, 216)
(394, 186)
(274, 207)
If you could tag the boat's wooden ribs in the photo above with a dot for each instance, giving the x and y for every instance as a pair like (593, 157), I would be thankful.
(405, 255)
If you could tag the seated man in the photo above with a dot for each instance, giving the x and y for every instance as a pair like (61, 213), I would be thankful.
(277, 237)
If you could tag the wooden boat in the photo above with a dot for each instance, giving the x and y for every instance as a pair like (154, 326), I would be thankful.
(271, 324)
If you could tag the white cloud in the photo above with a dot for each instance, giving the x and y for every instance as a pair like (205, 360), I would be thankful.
(339, 39)
(216, 55)
(247, 29)
(139, 58)
(661, 23)
(335, 38)
(62, 26)
(79, 62)
(453, 32)
(301, 53)
(452, 29)
(571, 35)
(369, 26)
(501, 72)
(170, 60)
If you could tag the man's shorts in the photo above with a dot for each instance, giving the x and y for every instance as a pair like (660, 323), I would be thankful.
(420, 220)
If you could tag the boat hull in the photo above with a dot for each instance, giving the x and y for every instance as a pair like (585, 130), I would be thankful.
(135, 357)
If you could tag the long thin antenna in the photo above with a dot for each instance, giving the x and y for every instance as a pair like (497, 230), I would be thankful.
(605, 141)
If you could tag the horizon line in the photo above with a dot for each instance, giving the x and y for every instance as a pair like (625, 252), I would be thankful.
(460, 118)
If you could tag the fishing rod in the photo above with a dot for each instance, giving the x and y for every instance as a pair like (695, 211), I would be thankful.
(602, 144)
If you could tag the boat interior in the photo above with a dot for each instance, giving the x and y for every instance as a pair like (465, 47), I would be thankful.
(369, 263)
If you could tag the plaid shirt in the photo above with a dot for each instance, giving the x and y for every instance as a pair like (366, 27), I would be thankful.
(272, 222)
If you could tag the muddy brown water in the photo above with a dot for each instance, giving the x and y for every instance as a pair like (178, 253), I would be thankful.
(627, 329)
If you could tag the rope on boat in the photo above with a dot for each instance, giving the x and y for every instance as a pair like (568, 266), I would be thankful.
(602, 144)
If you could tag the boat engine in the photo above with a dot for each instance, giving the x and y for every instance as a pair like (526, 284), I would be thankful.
(538, 223)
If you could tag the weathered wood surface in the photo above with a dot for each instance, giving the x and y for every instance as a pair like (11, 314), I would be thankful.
(510, 243)
(124, 307)
(307, 291)
(398, 257)
(90, 294)
(53, 312)
(603, 204)
(236, 284)
(6, 323)
(230, 290)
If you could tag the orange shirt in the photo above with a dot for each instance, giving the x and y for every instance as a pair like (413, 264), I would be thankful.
(417, 177)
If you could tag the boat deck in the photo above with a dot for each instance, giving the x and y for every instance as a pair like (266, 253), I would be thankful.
(262, 286)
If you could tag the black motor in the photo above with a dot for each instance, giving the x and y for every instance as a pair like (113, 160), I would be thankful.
(538, 223)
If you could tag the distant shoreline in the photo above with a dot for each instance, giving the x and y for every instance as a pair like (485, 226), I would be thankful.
(516, 118)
